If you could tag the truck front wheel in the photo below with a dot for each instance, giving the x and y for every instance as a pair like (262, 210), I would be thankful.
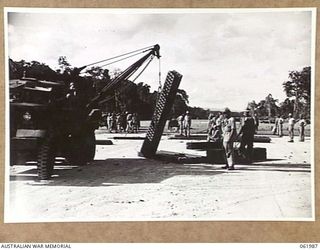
(46, 157)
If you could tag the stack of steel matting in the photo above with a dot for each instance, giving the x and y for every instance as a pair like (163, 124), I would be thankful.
(179, 157)
(161, 114)
(129, 137)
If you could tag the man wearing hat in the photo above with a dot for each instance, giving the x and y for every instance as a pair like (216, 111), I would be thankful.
(229, 136)
(187, 124)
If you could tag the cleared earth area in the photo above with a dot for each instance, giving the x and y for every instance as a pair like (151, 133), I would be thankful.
(120, 186)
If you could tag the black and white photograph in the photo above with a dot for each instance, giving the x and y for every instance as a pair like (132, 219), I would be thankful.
(159, 114)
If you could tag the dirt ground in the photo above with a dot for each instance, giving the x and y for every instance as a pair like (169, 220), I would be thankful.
(121, 186)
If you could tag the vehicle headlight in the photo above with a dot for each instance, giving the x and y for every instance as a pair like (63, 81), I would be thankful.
(27, 116)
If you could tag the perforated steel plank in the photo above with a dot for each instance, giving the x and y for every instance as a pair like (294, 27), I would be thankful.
(161, 114)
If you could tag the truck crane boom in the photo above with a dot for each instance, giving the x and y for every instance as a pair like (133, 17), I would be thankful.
(114, 83)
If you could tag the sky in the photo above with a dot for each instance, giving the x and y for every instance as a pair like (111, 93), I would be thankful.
(226, 59)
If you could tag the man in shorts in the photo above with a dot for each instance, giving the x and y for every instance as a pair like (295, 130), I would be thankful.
(229, 136)
(291, 123)
(187, 124)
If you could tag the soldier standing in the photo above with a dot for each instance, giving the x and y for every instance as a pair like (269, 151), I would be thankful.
(302, 123)
(135, 123)
(123, 121)
(113, 121)
(247, 131)
(291, 122)
(180, 120)
(129, 123)
(119, 122)
(256, 122)
(109, 121)
(106, 120)
(280, 126)
(187, 124)
(229, 136)
(219, 121)
(276, 126)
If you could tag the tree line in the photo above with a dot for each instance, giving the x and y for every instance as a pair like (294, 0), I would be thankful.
(297, 102)
(138, 98)
(128, 96)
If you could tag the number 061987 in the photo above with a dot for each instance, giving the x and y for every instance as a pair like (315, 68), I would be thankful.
(309, 245)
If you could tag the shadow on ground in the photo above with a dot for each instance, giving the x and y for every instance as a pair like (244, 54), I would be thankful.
(115, 172)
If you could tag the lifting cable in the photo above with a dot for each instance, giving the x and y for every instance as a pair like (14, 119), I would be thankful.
(147, 64)
(160, 85)
(128, 53)
(125, 87)
(121, 59)
(110, 85)
(113, 82)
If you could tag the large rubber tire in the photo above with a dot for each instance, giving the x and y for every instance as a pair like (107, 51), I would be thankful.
(46, 157)
(82, 148)
(90, 146)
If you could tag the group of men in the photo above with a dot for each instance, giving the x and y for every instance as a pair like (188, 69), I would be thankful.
(122, 122)
(278, 127)
(184, 122)
(222, 127)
